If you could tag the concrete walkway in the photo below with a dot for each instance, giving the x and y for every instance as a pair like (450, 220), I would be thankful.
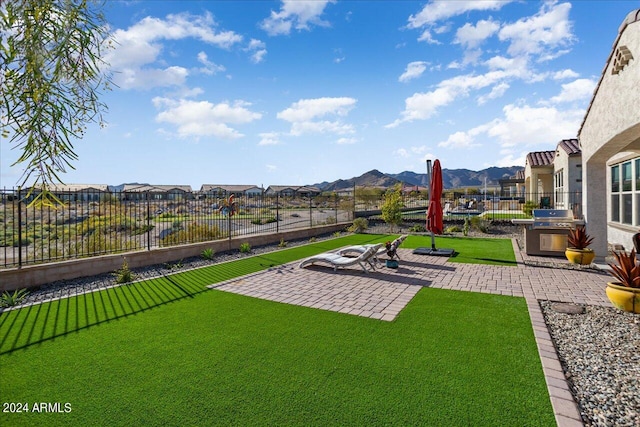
(382, 294)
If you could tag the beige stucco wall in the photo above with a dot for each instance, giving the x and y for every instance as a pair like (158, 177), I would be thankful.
(611, 126)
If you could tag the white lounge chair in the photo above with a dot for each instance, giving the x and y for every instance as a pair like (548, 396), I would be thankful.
(381, 250)
(339, 261)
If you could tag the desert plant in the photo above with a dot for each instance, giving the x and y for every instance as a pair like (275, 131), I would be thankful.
(207, 253)
(627, 270)
(528, 207)
(359, 225)
(453, 229)
(173, 265)
(245, 247)
(578, 238)
(8, 299)
(282, 243)
(337, 234)
(466, 227)
(392, 207)
(124, 274)
(312, 239)
(480, 224)
(418, 228)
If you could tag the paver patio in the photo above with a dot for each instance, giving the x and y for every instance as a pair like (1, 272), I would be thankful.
(382, 294)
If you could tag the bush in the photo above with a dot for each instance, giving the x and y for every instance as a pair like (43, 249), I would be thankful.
(359, 225)
(282, 243)
(207, 253)
(480, 224)
(124, 275)
(418, 228)
(331, 220)
(466, 227)
(8, 299)
(528, 207)
(453, 229)
(245, 247)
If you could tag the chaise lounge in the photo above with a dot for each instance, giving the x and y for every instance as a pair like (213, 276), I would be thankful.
(382, 249)
(336, 260)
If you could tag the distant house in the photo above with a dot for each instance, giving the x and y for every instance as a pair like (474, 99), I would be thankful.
(308, 191)
(77, 192)
(156, 192)
(538, 177)
(211, 191)
(513, 186)
(281, 190)
(567, 175)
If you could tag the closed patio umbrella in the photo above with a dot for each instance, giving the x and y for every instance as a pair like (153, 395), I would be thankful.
(434, 213)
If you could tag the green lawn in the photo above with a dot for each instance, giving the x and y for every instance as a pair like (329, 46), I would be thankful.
(470, 250)
(169, 352)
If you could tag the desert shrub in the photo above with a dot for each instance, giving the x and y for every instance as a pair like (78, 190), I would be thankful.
(418, 228)
(10, 299)
(282, 243)
(193, 233)
(330, 220)
(359, 225)
(466, 227)
(256, 221)
(337, 234)
(245, 247)
(528, 207)
(453, 229)
(312, 239)
(124, 274)
(480, 224)
(207, 253)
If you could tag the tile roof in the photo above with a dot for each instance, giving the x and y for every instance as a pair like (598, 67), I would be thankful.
(570, 146)
(541, 158)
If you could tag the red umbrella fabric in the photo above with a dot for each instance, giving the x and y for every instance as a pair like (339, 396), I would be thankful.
(434, 213)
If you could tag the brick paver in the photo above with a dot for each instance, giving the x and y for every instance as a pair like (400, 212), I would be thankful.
(382, 294)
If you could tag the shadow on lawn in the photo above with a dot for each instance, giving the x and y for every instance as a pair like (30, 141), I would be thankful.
(39, 323)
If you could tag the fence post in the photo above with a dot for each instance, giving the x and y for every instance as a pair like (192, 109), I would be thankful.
(277, 212)
(148, 221)
(19, 227)
(310, 212)
(335, 205)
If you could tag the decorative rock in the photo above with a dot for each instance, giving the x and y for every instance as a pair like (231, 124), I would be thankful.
(567, 308)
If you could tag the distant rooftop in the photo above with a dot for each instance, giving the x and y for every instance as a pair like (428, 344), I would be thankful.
(570, 146)
(540, 158)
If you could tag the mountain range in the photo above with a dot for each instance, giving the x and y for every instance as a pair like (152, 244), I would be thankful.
(451, 178)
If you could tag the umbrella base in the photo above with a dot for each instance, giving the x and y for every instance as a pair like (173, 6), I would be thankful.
(434, 251)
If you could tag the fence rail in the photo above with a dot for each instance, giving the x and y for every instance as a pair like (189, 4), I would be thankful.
(89, 223)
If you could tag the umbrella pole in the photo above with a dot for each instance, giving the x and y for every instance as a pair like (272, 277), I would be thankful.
(433, 241)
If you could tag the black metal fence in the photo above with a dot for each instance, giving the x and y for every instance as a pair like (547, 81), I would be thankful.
(90, 223)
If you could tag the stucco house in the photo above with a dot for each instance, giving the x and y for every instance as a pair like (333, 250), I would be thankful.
(213, 191)
(567, 176)
(156, 192)
(538, 177)
(610, 141)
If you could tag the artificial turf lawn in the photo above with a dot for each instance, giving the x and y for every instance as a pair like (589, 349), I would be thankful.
(469, 250)
(167, 352)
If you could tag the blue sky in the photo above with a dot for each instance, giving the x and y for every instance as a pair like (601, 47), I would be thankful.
(300, 92)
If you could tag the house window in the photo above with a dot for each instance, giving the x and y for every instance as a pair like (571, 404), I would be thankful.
(625, 192)
(558, 184)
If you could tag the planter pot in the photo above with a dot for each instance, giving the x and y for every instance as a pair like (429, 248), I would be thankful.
(624, 298)
(391, 263)
(580, 256)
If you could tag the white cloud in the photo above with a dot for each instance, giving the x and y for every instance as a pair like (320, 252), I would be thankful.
(203, 118)
(496, 92)
(304, 114)
(209, 68)
(435, 11)
(269, 138)
(472, 36)
(540, 34)
(577, 90)
(295, 14)
(565, 74)
(258, 50)
(421, 106)
(346, 141)
(271, 168)
(139, 47)
(524, 126)
(459, 140)
(413, 71)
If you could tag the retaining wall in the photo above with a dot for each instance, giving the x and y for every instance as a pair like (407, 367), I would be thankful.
(36, 275)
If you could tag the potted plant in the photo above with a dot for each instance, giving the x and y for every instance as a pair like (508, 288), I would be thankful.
(625, 292)
(578, 242)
